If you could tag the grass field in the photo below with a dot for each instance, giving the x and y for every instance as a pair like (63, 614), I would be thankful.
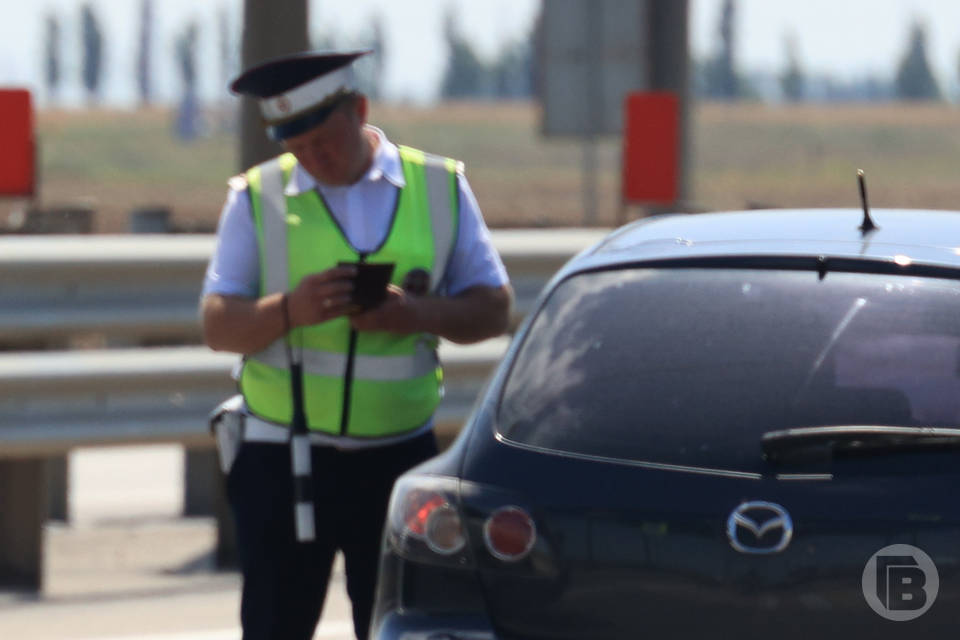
(741, 156)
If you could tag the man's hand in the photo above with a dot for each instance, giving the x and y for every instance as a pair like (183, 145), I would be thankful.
(322, 296)
(470, 316)
(397, 314)
(248, 325)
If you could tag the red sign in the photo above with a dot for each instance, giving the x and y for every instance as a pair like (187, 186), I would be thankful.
(651, 148)
(17, 156)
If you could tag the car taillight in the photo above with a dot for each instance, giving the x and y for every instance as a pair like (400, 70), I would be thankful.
(424, 522)
(509, 533)
(430, 517)
(419, 505)
(444, 533)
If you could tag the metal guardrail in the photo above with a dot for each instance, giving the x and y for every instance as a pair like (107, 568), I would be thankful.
(131, 291)
(136, 289)
(145, 288)
(51, 402)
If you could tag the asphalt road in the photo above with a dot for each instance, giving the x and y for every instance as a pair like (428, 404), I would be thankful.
(128, 566)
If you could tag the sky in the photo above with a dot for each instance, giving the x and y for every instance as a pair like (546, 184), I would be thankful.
(846, 38)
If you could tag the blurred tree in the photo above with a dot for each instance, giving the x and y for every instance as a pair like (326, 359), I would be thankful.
(514, 71)
(226, 113)
(186, 53)
(511, 75)
(188, 116)
(369, 68)
(720, 75)
(225, 46)
(465, 75)
(52, 57)
(144, 75)
(92, 39)
(371, 81)
(914, 80)
(792, 81)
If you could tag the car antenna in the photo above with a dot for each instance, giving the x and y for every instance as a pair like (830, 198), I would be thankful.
(867, 225)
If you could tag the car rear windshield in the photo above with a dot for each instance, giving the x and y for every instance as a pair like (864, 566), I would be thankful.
(691, 366)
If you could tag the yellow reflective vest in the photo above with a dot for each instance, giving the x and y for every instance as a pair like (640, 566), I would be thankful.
(355, 383)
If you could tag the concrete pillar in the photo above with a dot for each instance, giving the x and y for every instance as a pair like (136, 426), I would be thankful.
(669, 65)
(23, 512)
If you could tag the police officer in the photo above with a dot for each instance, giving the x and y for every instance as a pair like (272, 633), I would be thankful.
(280, 290)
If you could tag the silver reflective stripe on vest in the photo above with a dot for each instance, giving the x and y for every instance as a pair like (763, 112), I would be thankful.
(441, 216)
(274, 212)
(324, 363)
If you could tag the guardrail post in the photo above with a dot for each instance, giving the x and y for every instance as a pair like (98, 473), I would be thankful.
(201, 492)
(150, 220)
(227, 553)
(199, 465)
(58, 479)
(23, 512)
(67, 219)
(205, 493)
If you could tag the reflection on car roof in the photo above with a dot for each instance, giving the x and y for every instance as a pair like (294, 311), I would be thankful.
(923, 236)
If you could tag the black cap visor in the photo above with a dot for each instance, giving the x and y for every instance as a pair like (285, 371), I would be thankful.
(279, 75)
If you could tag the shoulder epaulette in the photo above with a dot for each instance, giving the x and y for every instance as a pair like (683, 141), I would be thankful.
(433, 158)
(238, 182)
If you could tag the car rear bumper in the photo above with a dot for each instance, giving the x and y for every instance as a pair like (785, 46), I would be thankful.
(417, 626)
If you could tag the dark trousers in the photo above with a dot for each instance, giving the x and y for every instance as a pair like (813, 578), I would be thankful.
(284, 581)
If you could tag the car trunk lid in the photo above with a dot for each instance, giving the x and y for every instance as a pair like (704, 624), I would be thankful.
(630, 549)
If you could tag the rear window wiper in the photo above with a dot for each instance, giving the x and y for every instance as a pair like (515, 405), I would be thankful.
(849, 440)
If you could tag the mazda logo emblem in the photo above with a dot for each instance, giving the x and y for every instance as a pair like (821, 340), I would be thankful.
(759, 527)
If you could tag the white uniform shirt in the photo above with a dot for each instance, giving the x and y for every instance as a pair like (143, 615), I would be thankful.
(364, 211)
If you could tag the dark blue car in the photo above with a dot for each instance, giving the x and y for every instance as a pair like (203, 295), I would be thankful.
(733, 425)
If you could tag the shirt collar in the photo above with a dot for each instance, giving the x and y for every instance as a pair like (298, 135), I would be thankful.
(386, 165)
